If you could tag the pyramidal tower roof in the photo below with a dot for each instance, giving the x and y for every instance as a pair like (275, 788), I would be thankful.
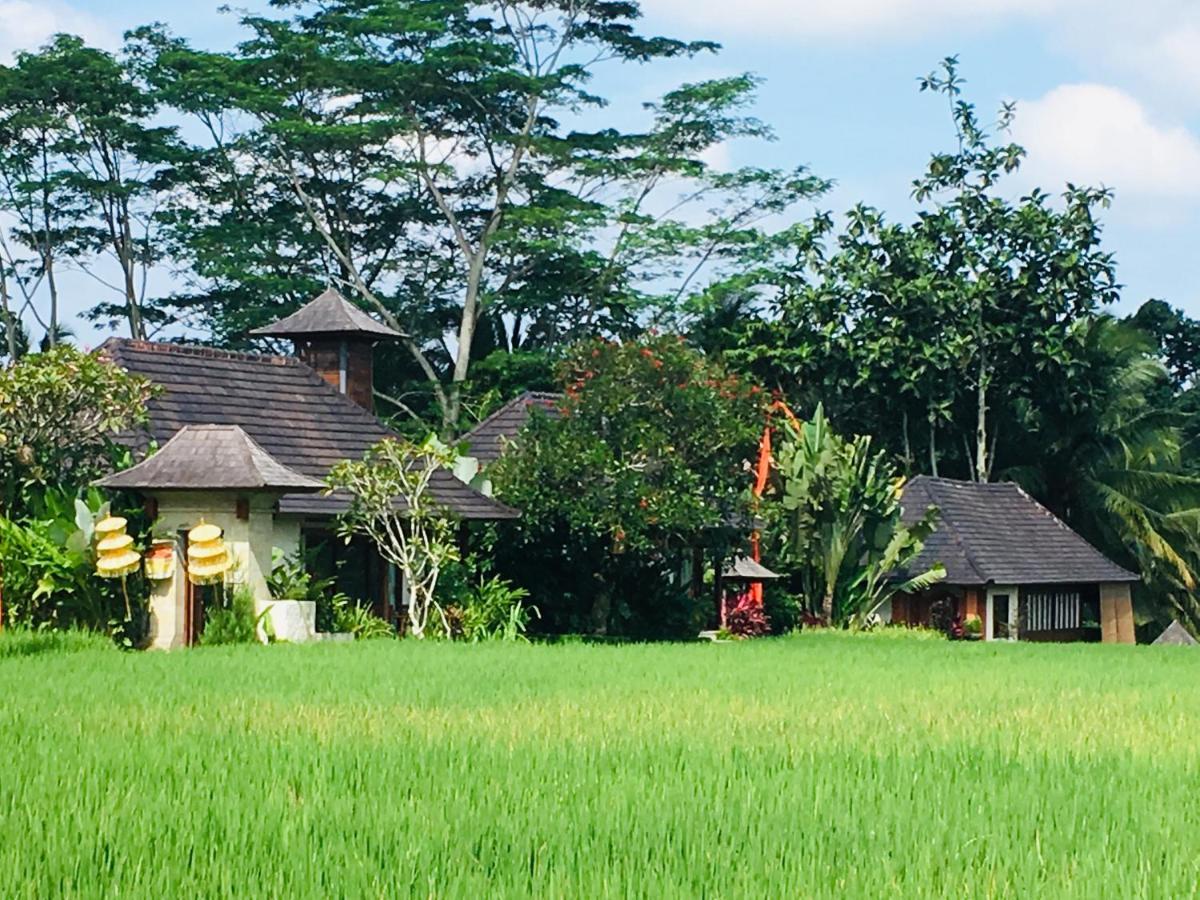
(211, 457)
(328, 314)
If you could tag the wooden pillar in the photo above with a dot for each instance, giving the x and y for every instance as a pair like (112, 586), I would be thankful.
(971, 605)
(1116, 614)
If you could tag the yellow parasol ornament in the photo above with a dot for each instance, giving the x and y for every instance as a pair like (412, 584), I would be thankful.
(115, 554)
(208, 558)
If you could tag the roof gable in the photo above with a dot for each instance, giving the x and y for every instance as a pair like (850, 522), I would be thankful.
(488, 439)
(283, 405)
(998, 534)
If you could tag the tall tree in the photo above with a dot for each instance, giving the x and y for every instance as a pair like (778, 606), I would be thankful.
(83, 172)
(960, 318)
(429, 148)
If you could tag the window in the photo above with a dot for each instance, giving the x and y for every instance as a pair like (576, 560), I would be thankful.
(1053, 609)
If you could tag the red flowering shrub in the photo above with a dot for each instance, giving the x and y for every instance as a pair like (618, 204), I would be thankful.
(747, 621)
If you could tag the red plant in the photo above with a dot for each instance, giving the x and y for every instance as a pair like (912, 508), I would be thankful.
(747, 621)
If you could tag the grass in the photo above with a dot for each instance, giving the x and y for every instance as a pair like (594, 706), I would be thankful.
(29, 642)
(821, 766)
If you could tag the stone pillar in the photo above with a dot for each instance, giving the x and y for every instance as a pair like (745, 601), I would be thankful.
(167, 596)
(1116, 614)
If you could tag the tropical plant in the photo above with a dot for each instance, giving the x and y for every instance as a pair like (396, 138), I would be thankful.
(841, 525)
(427, 154)
(392, 504)
(936, 335)
(350, 617)
(47, 564)
(493, 610)
(232, 620)
(747, 621)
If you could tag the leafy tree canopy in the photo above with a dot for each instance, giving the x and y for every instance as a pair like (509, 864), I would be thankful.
(646, 459)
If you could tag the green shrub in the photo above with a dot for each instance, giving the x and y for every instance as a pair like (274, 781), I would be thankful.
(233, 621)
(48, 568)
(350, 617)
(491, 610)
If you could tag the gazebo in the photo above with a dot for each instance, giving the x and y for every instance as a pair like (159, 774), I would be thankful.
(217, 475)
(741, 571)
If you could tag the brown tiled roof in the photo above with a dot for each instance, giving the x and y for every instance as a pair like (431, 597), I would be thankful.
(329, 313)
(998, 534)
(289, 410)
(212, 457)
(487, 439)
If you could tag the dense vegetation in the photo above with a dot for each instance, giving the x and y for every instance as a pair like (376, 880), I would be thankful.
(456, 169)
(822, 766)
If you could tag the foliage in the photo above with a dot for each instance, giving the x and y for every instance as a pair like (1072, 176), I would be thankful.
(232, 620)
(432, 158)
(645, 460)
(84, 178)
(769, 738)
(747, 621)
(1114, 468)
(292, 578)
(493, 610)
(350, 617)
(48, 567)
(842, 527)
(937, 337)
(59, 412)
(393, 505)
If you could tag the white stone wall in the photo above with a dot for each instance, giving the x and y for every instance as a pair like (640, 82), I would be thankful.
(250, 543)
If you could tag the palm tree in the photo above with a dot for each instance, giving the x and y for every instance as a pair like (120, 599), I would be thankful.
(1110, 463)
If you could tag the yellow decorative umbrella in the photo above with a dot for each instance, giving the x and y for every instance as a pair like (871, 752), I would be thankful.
(208, 558)
(115, 555)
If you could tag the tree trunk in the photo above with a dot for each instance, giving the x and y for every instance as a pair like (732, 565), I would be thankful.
(933, 458)
(908, 459)
(827, 606)
(601, 610)
(982, 465)
(137, 330)
(9, 320)
(52, 283)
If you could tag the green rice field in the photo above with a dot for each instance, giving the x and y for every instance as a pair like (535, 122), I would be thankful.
(817, 766)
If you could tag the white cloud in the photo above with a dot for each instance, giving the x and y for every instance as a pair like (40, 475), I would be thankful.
(1096, 134)
(27, 24)
(850, 18)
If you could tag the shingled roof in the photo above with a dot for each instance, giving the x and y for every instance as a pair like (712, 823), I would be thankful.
(487, 439)
(998, 534)
(329, 314)
(211, 457)
(286, 407)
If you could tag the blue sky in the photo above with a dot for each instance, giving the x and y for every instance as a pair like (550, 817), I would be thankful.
(1107, 92)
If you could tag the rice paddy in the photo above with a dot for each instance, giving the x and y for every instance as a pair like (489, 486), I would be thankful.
(822, 766)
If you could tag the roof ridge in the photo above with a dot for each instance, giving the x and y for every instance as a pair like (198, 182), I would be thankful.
(200, 350)
(509, 405)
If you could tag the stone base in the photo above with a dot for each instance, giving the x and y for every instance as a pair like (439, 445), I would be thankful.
(293, 621)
